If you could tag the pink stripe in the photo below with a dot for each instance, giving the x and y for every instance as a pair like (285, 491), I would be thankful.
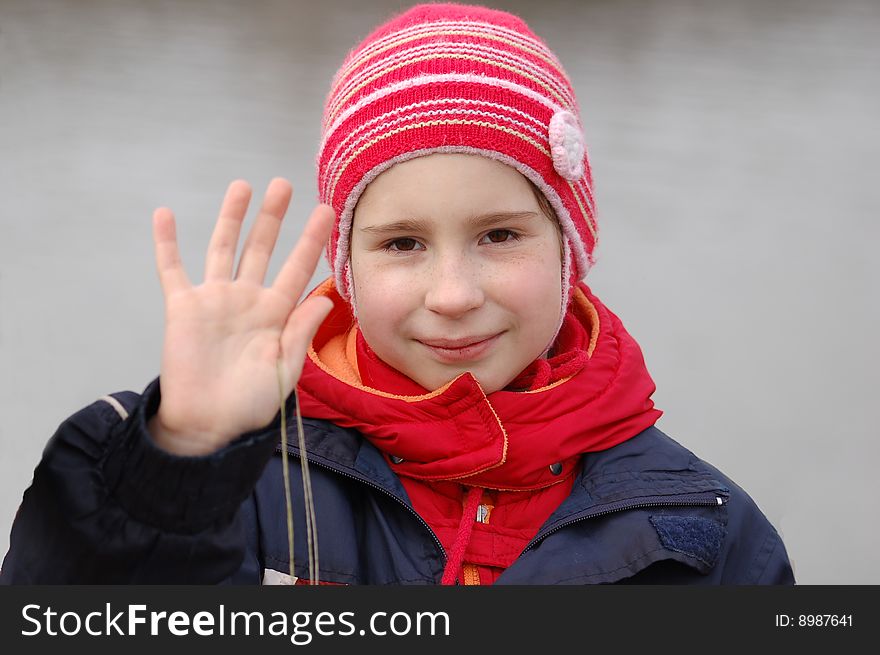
(445, 101)
(451, 62)
(461, 131)
(437, 79)
(337, 159)
(560, 84)
(585, 195)
(523, 67)
(431, 28)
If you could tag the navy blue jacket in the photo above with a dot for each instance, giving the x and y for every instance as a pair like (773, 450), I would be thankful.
(107, 506)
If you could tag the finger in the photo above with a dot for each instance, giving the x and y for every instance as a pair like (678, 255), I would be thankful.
(261, 240)
(224, 240)
(172, 275)
(300, 265)
(299, 331)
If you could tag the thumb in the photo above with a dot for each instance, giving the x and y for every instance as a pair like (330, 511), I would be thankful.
(302, 324)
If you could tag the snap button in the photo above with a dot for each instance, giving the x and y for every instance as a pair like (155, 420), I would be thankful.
(556, 468)
(396, 459)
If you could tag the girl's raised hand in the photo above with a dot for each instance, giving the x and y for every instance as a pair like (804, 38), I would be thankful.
(223, 337)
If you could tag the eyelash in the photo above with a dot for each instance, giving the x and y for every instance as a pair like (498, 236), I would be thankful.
(388, 246)
(513, 236)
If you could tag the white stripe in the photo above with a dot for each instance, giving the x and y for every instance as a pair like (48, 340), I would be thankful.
(592, 226)
(338, 159)
(586, 195)
(427, 103)
(339, 101)
(437, 79)
(432, 123)
(522, 39)
(436, 101)
(550, 73)
(585, 188)
(434, 26)
(449, 48)
(115, 404)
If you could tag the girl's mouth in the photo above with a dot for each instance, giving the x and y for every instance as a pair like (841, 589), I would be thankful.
(457, 350)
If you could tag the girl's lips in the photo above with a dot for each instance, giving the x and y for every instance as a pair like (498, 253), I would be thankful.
(461, 350)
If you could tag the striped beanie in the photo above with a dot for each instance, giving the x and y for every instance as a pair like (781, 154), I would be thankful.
(457, 79)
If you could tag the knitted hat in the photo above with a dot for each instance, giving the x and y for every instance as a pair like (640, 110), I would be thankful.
(462, 79)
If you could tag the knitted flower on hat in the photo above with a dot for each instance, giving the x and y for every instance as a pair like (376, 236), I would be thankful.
(463, 79)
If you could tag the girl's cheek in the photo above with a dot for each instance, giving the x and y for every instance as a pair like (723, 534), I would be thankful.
(531, 283)
(383, 294)
(392, 281)
(376, 268)
(534, 269)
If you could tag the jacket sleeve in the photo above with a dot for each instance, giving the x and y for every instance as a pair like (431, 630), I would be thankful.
(108, 506)
(771, 565)
(755, 553)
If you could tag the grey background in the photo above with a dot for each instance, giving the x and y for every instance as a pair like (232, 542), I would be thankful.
(734, 147)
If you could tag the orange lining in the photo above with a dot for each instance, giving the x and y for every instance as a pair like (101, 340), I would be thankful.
(333, 360)
(338, 355)
(580, 305)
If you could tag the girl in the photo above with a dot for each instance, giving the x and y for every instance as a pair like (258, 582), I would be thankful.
(473, 413)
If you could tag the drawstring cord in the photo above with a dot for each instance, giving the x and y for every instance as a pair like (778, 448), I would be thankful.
(465, 528)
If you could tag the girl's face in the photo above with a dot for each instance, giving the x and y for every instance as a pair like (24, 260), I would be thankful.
(455, 269)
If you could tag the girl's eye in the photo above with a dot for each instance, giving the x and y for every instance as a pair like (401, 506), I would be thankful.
(402, 245)
(501, 236)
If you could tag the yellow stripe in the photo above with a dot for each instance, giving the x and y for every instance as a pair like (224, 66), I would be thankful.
(341, 101)
(473, 29)
(407, 112)
(412, 126)
(569, 100)
(352, 139)
(587, 214)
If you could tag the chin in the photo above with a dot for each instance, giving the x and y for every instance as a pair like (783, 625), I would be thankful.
(433, 378)
(488, 383)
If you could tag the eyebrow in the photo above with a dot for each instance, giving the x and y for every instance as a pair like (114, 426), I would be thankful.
(416, 225)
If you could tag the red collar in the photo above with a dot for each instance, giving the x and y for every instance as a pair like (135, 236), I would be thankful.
(569, 355)
(591, 394)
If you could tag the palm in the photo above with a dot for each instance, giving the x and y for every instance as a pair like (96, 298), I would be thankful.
(225, 337)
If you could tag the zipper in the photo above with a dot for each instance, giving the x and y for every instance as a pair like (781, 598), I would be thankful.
(369, 483)
(705, 499)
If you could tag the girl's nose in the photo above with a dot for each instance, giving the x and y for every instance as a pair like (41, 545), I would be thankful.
(453, 287)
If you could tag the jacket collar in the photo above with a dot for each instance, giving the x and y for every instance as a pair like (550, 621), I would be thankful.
(648, 468)
(506, 440)
(643, 501)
